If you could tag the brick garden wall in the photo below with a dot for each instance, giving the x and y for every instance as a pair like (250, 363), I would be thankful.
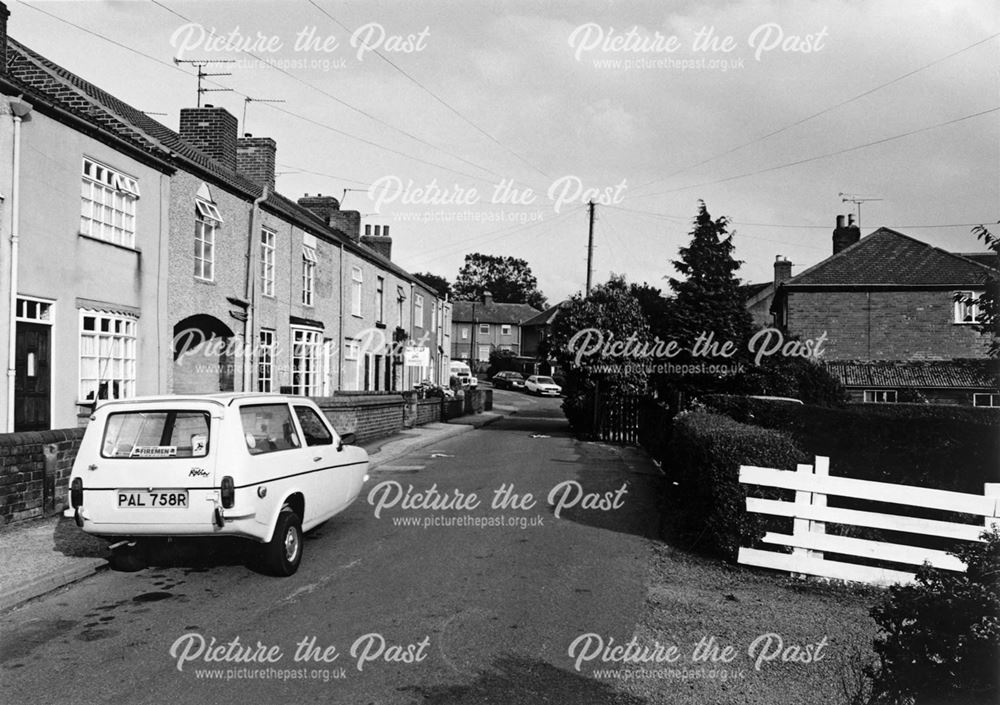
(35, 466)
(428, 411)
(34, 471)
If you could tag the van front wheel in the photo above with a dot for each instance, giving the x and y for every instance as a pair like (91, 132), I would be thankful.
(283, 553)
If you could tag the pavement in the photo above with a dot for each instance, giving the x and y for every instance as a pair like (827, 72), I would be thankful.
(42, 555)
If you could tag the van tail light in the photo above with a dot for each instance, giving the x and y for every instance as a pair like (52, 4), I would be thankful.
(76, 493)
(228, 492)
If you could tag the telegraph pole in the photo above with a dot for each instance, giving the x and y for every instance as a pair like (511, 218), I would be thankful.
(590, 246)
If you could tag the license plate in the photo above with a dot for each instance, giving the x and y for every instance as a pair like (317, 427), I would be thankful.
(152, 499)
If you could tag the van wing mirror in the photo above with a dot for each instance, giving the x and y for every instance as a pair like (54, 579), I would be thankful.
(348, 439)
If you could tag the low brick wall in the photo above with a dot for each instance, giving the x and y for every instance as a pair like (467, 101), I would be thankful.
(35, 466)
(367, 415)
(428, 411)
(34, 471)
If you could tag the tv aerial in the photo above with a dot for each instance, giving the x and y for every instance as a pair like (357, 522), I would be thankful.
(857, 201)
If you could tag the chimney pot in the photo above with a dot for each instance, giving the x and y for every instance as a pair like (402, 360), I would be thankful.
(782, 270)
(845, 235)
(850, 220)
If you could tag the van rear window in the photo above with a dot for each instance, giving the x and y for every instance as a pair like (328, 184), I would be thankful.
(156, 434)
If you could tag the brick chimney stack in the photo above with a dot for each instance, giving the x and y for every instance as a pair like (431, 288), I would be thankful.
(782, 270)
(379, 241)
(213, 131)
(255, 159)
(327, 209)
(487, 298)
(845, 235)
(4, 14)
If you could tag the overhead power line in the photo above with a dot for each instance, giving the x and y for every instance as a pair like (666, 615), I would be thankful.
(436, 97)
(824, 156)
(290, 113)
(340, 101)
(820, 112)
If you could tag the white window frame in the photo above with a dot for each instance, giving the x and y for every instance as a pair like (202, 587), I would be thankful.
(505, 329)
(30, 309)
(418, 311)
(307, 362)
(992, 397)
(107, 203)
(112, 351)
(962, 308)
(380, 299)
(352, 349)
(267, 238)
(265, 360)
(357, 290)
(206, 224)
(881, 396)
(484, 329)
(309, 261)
(465, 332)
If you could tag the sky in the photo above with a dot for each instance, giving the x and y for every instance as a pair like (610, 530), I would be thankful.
(487, 126)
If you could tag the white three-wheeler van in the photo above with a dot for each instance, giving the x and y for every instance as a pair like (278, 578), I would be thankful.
(257, 466)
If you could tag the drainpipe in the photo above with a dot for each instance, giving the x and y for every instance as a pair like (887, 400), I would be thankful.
(20, 109)
(340, 333)
(249, 333)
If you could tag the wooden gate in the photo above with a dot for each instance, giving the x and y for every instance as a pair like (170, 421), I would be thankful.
(810, 514)
(615, 418)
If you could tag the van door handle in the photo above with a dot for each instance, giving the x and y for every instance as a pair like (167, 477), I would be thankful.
(317, 458)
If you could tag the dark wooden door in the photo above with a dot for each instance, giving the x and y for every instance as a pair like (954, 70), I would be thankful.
(33, 381)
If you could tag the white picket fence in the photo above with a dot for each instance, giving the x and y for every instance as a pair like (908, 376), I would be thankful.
(809, 512)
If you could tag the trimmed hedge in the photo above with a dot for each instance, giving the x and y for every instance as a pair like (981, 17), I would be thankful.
(943, 447)
(703, 459)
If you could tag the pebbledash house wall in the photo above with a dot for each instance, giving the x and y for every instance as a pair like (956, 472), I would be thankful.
(883, 324)
(188, 296)
(276, 312)
(74, 271)
(356, 328)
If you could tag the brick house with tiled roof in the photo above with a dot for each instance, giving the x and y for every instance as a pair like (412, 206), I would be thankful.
(894, 330)
(479, 327)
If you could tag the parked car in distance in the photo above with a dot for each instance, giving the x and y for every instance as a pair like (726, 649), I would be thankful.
(508, 380)
(464, 374)
(540, 384)
(262, 467)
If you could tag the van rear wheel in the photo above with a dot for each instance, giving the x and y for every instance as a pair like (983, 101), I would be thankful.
(283, 553)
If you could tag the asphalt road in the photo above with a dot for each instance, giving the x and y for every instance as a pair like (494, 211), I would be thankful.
(440, 610)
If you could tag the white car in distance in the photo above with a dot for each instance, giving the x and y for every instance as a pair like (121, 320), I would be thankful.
(258, 466)
(542, 385)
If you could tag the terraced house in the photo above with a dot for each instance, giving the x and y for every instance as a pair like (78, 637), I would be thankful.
(137, 260)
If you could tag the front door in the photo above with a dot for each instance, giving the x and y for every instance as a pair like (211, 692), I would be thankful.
(32, 383)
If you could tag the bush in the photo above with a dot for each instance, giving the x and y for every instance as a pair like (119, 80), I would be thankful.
(794, 377)
(703, 458)
(944, 447)
(939, 638)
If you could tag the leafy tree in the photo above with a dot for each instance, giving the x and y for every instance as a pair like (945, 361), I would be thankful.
(655, 307)
(508, 279)
(612, 312)
(434, 281)
(708, 299)
(989, 300)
